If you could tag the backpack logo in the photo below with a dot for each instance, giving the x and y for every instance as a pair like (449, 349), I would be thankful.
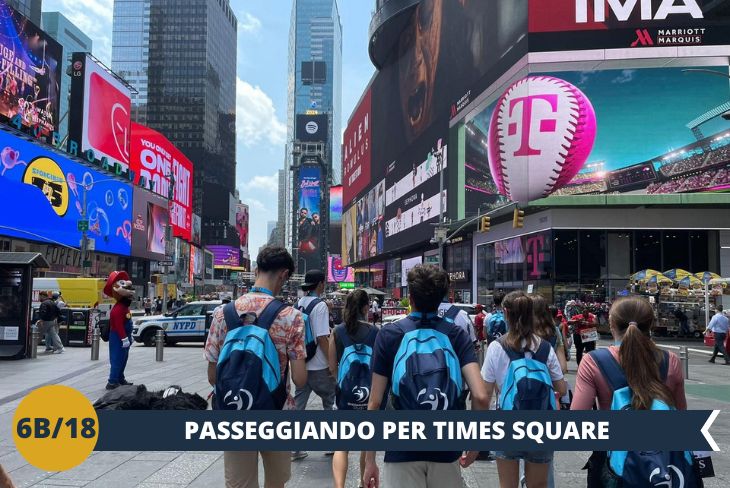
(361, 394)
(437, 400)
(667, 477)
(237, 399)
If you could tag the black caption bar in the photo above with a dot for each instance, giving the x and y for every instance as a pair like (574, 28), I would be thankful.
(405, 430)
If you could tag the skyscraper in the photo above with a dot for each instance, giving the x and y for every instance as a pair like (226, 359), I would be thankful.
(315, 78)
(186, 78)
(73, 40)
(29, 8)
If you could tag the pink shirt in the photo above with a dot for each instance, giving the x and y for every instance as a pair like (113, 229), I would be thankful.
(591, 385)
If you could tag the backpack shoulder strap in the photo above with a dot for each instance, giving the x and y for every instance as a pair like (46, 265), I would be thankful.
(543, 352)
(343, 336)
(511, 353)
(233, 320)
(664, 366)
(610, 368)
(269, 314)
(310, 307)
(452, 313)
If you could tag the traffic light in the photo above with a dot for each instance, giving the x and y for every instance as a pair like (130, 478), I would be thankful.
(518, 219)
(484, 224)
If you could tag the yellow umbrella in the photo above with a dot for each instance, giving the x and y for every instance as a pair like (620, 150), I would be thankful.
(689, 281)
(707, 276)
(677, 274)
(644, 275)
(660, 279)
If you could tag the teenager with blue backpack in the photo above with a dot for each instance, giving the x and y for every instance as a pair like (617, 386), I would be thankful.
(634, 374)
(427, 361)
(253, 345)
(350, 355)
(496, 324)
(525, 370)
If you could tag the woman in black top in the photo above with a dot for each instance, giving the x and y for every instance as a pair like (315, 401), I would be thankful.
(357, 330)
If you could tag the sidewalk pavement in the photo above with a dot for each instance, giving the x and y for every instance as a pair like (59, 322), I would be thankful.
(709, 388)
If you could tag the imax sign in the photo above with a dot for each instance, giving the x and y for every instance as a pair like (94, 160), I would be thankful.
(623, 9)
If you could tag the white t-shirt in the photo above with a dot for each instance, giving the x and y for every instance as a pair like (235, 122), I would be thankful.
(462, 320)
(496, 364)
(319, 319)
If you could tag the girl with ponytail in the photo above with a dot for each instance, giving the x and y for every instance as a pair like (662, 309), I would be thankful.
(631, 320)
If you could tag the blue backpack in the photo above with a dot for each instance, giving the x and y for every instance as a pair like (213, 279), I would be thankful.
(248, 374)
(528, 384)
(310, 342)
(673, 469)
(426, 370)
(496, 326)
(354, 375)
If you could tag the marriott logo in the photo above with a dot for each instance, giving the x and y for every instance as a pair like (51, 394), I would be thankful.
(623, 9)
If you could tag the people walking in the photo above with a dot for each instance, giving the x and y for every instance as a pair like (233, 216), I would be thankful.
(354, 340)
(158, 305)
(147, 304)
(522, 347)
(48, 315)
(286, 333)
(412, 384)
(719, 326)
(495, 323)
(585, 334)
(319, 379)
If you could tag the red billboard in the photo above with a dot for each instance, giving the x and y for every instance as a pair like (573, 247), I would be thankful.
(153, 160)
(100, 110)
(356, 151)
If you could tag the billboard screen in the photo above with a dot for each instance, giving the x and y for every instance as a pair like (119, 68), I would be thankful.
(312, 128)
(30, 84)
(349, 236)
(225, 256)
(309, 222)
(647, 131)
(100, 110)
(196, 235)
(604, 24)
(153, 159)
(406, 265)
(242, 225)
(51, 190)
(336, 204)
(356, 150)
(337, 273)
(150, 218)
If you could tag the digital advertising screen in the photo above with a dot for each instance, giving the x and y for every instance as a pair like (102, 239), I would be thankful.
(225, 256)
(30, 72)
(349, 236)
(309, 221)
(647, 131)
(154, 160)
(337, 272)
(312, 128)
(196, 236)
(357, 149)
(242, 225)
(406, 265)
(336, 204)
(100, 110)
(45, 192)
(150, 218)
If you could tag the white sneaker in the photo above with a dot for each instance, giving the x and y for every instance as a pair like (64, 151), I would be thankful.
(59, 351)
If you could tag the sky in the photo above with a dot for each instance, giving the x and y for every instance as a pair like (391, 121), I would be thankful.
(261, 87)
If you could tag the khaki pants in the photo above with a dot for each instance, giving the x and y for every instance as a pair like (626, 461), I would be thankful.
(242, 468)
(423, 474)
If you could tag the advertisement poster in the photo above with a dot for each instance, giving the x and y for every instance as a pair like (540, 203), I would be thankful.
(242, 225)
(309, 222)
(100, 110)
(51, 189)
(336, 204)
(225, 256)
(312, 128)
(337, 272)
(197, 229)
(406, 266)
(30, 72)
(356, 150)
(349, 236)
(641, 143)
(150, 218)
(154, 159)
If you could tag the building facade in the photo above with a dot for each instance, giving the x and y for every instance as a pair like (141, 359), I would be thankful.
(29, 8)
(73, 40)
(130, 50)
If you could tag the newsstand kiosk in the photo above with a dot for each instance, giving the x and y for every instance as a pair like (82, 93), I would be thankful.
(16, 293)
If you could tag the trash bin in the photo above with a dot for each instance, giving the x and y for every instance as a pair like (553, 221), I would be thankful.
(75, 327)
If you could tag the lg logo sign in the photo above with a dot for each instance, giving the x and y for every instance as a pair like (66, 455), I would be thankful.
(312, 127)
(622, 9)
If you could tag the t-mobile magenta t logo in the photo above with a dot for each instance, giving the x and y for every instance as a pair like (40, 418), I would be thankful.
(535, 256)
(546, 125)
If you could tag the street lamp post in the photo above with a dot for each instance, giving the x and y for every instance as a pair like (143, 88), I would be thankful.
(168, 240)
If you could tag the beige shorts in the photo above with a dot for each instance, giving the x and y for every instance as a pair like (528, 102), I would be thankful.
(423, 474)
(242, 468)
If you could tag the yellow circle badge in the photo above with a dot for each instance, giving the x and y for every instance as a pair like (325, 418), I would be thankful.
(46, 175)
(55, 428)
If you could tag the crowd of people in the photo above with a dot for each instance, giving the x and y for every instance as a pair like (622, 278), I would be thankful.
(521, 330)
(708, 179)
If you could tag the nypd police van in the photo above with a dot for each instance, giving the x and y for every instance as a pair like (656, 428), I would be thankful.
(189, 323)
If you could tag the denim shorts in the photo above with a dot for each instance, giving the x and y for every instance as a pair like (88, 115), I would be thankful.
(535, 457)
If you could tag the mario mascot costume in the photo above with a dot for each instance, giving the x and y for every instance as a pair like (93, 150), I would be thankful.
(120, 288)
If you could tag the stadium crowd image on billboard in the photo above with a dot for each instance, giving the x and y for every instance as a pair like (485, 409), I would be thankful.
(647, 131)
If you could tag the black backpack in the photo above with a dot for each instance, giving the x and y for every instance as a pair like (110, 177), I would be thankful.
(47, 311)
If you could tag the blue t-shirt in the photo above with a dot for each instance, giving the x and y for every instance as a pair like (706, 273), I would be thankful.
(386, 347)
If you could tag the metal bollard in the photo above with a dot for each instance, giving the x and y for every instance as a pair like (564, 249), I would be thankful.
(95, 342)
(159, 345)
(684, 358)
(35, 337)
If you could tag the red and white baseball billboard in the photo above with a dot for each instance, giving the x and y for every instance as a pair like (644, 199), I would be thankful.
(101, 110)
(356, 151)
(153, 160)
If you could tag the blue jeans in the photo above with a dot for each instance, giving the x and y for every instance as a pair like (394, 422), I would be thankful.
(720, 346)
(118, 356)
